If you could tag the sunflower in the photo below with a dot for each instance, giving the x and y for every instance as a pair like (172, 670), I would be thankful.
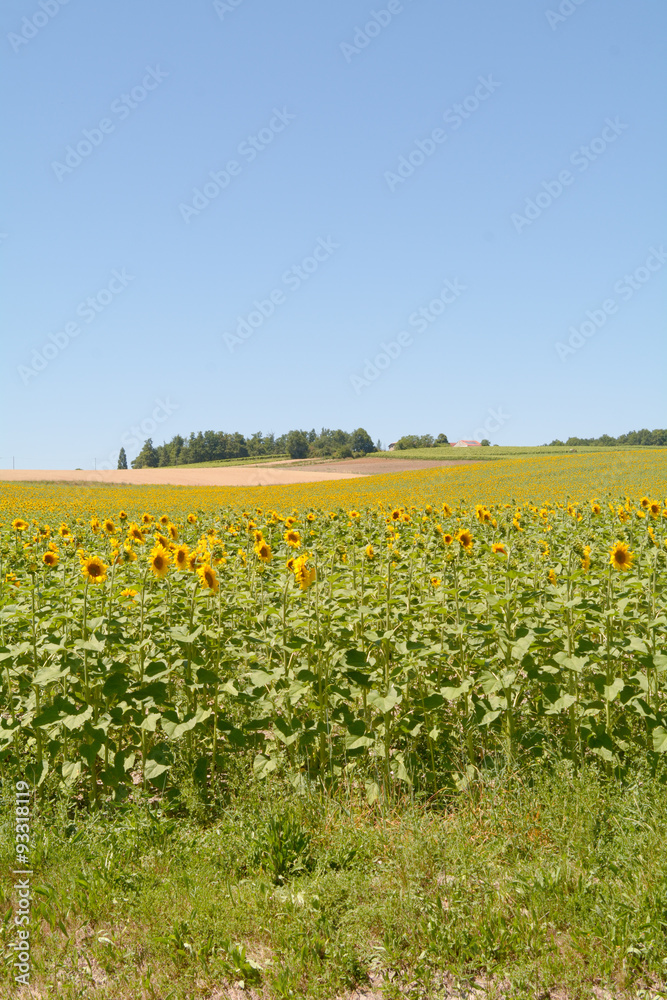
(586, 561)
(136, 534)
(654, 509)
(645, 502)
(619, 557)
(181, 557)
(173, 532)
(242, 556)
(159, 562)
(448, 539)
(207, 577)
(192, 518)
(147, 519)
(19, 524)
(498, 549)
(310, 517)
(129, 555)
(161, 540)
(164, 519)
(94, 569)
(370, 551)
(290, 564)
(122, 516)
(446, 509)
(128, 592)
(193, 560)
(293, 539)
(50, 558)
(552, 577)
(595, 508)
(258, 536)
(465, 539)
(435, 581)
(263, 551)
(109, 526)
(428, 509)
(396, 515)
(95, 524)
(303, 574)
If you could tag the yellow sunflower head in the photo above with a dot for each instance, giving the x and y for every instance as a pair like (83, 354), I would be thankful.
(93, 569)
(173, 532)
(122, 516)
(498, 549)
(136, 534)
(465, 539)
(164, 519)
(370, 551)
(147, 519)
(50, 558)
(19, 524)
(263, 552)
(159, 562)
(293, 538)
(620, 558)
(192, 518)
(208, 577)
(108, 526)
(181, 557)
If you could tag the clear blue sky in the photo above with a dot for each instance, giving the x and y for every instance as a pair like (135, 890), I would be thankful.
(171, 92)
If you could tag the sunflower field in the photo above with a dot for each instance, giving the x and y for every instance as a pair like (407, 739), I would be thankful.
(387, 649)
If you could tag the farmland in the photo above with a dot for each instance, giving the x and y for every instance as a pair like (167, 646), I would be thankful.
(349, 661)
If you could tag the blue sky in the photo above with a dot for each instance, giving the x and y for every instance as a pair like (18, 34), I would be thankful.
(428, 217)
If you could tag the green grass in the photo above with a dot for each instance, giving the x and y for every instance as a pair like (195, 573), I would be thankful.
(527, 883)
(493, 452)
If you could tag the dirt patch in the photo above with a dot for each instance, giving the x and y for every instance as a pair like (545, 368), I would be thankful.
(299, 471)
(381, 466)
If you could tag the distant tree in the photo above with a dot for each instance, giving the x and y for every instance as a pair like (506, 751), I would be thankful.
(122, 459)
(344, 452)
(441, 439)
(426, 441)
(147, 457)
(297, 444)
(556, 443)
(485, 442)
(407, 441)
(361, 441)
(378, 445)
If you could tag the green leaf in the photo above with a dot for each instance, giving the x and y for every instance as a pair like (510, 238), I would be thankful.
(611, 691)
(660, 739)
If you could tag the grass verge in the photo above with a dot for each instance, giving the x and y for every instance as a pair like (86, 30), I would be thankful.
(548, 883)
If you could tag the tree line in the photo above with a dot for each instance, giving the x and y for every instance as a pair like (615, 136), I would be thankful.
(216, 446)
(644, 437)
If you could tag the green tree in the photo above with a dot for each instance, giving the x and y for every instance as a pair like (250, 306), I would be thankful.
(122, 459)
(147, 457)
(361, 441)
(485, 442)
(297, 444)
